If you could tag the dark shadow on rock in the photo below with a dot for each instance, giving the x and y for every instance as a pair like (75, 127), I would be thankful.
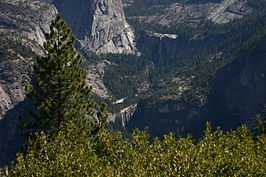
(79, 22)
(11, 140)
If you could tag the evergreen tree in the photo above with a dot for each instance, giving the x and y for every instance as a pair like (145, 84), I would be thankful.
(60, 92)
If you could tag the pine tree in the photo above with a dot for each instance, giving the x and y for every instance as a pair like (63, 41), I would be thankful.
(60, 91)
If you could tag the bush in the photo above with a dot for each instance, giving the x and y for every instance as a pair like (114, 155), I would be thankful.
(76, 153)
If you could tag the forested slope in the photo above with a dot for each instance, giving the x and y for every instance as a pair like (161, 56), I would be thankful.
(177, 73)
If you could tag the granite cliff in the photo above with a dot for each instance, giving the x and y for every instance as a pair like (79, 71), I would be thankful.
(23, 25)
(99, 25)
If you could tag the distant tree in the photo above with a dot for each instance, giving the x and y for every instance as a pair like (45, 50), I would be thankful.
(60, 92)
(259, 126)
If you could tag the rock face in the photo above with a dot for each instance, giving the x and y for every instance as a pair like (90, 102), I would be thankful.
(123, 115)
(24, 23)
(95, 79)
(15, 74)
(195, 14)
(22, 27)
(30, 18)
(228, 10)
(99, 25)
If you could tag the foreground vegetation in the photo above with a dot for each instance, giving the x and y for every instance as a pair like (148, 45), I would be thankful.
(76, 152)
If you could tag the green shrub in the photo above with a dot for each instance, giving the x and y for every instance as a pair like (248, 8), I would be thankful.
(76, 153)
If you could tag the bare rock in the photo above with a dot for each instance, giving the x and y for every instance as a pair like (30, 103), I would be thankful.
(194, 14)
(124, 115)
(100, 25)
(25, 23)
(95, 79)
(228, 10)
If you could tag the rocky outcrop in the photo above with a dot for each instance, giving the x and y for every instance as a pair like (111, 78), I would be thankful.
(195, 14)
(15, 74)
(95, 79)
(24, 23)
(29, 18)
(124, 115)
(228, 10)
(99, 25)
